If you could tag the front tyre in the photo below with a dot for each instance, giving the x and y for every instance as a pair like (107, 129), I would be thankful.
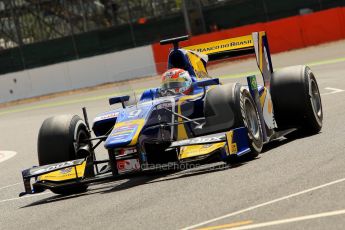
(231, 106)
(251, 120)
(247, 116)
(59, 139)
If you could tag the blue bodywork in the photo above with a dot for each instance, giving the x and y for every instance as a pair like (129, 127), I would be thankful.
(240, 137)
(147, 110)
(121, 137)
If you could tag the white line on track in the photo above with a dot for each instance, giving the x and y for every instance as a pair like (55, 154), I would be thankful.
(334, 90)
(11, 185)
(291, 220)
(24, 197)
(264, 204)
(5, 155)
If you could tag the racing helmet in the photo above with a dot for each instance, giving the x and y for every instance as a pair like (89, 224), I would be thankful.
(177, 80)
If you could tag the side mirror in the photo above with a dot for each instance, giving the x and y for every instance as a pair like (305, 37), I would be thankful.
(205, 83)
(115, 100)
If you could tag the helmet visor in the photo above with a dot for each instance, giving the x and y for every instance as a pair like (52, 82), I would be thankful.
(173, 85)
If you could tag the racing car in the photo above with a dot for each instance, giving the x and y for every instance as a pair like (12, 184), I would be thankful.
(209, 123)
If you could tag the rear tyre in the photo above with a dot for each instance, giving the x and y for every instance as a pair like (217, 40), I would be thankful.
(58, 140)
(296, 100)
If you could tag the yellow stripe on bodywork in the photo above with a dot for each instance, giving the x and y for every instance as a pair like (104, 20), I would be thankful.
(198, 66)
(223, 45)
(139, 122)
(199, 150)
(181, 129)
(65, 174)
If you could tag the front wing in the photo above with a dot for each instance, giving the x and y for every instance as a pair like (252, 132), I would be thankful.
(234, 142)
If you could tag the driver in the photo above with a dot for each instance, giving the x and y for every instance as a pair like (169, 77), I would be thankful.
(176, 81)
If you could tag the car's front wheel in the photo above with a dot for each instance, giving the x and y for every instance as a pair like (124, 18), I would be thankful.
(59, 139)
(251, 120)
(231, 106)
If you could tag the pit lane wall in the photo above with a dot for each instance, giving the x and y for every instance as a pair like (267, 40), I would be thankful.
(117, 66)
(283, 34)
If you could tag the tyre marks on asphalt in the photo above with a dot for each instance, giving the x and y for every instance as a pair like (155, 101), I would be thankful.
(6, 155)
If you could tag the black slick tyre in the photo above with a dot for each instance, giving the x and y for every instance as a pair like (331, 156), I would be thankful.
(296, 100)
(58, 140)
(231, 106)
(251, 120)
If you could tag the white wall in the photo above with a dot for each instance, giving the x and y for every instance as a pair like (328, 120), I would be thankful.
(122, 65)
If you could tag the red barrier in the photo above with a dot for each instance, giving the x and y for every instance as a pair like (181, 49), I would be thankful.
(322, 26)
(283, 34)
(343, 19)
(243, 30)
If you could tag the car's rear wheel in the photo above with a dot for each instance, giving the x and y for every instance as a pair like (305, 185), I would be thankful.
(59, 139)
(296, 100)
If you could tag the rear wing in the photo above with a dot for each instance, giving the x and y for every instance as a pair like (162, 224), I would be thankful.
(256, 43)
(224, 48)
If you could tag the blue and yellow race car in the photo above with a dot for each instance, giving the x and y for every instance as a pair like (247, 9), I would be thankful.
(192, 119)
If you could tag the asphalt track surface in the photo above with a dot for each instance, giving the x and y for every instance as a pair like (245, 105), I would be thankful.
(294, 184)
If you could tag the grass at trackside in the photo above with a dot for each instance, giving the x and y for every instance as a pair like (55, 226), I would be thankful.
(138, 91)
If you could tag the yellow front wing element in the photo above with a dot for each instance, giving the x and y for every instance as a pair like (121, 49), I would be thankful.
(65, 174)
(199, 150)
(231, 147)
(223, 45)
